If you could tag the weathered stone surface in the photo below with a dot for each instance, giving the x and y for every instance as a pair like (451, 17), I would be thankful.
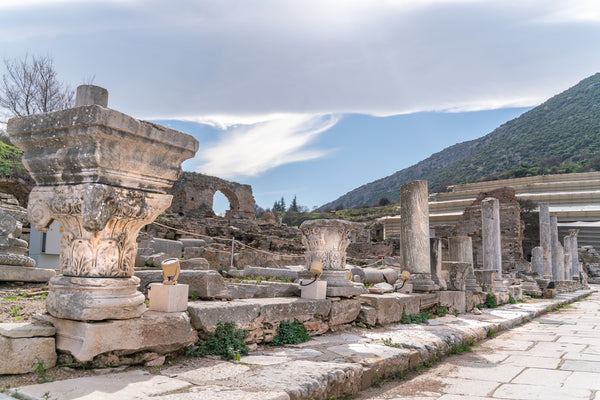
(344, 312)
(196, 263)
(173, 248)
(26, 330)
(414, 226)
(193, 243)
(206, 284)
(194, 252)
(280, 309)
(456, 300)
(154, 331)
(427, 300)
(372, 275)
(10, 273)
(121, 386)
(490, 219)
(18, 355)
(367, 315)
(390, 275)
(389, 306)
(303, 379)
(537, 260)
(280, 273)
(204, 315)
(381, 287)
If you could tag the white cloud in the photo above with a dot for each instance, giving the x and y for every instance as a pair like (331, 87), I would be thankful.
(245, 151)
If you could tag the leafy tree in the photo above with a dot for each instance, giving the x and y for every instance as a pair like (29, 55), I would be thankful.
(31, 86)
(384, 201)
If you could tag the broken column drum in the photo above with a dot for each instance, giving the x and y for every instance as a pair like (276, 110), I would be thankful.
(491, 240)
(414, 228)
(460, 248)
(326, 241)
(546, 239)
(103, 175)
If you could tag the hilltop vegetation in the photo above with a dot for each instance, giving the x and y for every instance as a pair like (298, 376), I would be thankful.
(561, 135)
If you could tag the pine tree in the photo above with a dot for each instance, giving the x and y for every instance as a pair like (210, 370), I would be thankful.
(294, 205)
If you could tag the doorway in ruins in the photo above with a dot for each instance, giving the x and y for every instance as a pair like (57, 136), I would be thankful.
(225, 203)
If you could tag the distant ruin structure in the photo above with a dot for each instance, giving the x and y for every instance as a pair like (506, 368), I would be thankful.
(193, 195)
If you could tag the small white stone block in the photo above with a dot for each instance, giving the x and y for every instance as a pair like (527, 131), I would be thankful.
(406, 289)
(168, 298)
(316, 290)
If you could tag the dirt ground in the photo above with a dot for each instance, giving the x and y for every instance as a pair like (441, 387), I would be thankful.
(20, 301)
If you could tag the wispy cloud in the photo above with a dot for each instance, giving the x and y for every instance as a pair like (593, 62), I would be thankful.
(244, 151)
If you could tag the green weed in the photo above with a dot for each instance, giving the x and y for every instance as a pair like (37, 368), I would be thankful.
(290, 333)
(226, 341)
(39, 367)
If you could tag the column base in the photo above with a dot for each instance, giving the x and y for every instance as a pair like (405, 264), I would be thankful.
(422, 282)
(471, 285)
(338, 284)
(499, 286)
(94, 299)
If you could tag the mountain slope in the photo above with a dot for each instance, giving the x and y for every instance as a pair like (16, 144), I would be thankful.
(564, 128)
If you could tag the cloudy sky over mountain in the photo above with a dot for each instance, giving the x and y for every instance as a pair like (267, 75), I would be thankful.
(271, 79)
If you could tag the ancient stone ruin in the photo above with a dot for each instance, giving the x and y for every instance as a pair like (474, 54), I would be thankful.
(193, 196)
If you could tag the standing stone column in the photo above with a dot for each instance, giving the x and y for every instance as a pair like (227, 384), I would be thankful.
(546, 239)
(575, 267)
(568, 258)
(326, 241)
(414, 228)
(435, 245)
(460, 248)
(103, 175)
(537, 260)
(491, 240)
(558, 256)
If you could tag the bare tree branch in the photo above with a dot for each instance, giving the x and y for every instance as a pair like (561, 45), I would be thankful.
(30, 86)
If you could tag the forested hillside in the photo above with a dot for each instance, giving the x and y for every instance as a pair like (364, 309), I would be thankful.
(561, 135)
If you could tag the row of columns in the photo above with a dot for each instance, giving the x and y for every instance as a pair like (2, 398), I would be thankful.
(551, 260)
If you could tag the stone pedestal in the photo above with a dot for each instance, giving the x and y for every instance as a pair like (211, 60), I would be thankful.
(103, 175)
(168, 298)
(460, 248)
(316, 290)
(455, 272)
(485, 278)
(414, 228)
(326, 241)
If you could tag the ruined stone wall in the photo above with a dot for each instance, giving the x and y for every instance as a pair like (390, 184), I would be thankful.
(193, 196)
(511, 228)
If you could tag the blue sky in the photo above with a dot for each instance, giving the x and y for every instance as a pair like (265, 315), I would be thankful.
(315, 97)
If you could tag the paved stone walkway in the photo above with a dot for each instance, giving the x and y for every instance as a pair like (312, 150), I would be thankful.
(556, 356)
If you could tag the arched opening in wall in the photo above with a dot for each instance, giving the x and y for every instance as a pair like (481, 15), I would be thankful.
(220, 203)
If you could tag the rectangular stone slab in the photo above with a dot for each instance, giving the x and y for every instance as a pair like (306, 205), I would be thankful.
(153, 331)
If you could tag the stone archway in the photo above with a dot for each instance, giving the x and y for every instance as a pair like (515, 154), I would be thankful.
(193, 195)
